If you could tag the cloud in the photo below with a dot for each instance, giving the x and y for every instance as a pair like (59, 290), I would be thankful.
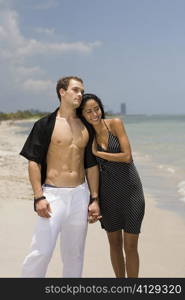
(16, 46)
(17, 51)
(78, 46)
(35, 47)
(2, 33)
(36, 86)
(10, 36)
(27, 71)
(47, 31)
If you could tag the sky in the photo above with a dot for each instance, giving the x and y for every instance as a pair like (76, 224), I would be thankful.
(130, 51)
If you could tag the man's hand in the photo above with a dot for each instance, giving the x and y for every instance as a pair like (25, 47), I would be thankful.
(43, 208)
(94, 212)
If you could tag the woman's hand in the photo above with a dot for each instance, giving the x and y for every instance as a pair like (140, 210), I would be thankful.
(94, 212)
(94, 146)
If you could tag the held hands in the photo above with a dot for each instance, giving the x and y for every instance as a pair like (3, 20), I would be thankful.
(43, 208)
(94, 212)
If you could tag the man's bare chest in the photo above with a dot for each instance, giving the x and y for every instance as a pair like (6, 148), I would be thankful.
(67, 133)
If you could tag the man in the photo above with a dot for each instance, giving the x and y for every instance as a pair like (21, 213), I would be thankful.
(59, 150)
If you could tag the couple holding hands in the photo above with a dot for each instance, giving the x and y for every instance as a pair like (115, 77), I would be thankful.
(81, 170)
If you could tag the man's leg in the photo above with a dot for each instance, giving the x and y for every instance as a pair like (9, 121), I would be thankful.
(73, 233)
(44, 239)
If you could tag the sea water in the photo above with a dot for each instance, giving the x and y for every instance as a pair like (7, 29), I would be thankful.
(158, 145)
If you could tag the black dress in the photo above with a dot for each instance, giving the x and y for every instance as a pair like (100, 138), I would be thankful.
(122, 200)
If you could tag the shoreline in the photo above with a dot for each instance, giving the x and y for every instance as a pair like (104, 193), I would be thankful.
(13, 122)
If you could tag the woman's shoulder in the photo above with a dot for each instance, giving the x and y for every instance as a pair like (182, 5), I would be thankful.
(115, 122)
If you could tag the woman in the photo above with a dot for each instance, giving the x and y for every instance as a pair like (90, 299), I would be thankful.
(121, 195)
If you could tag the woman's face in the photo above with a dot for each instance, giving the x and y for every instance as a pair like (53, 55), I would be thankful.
(92, 112)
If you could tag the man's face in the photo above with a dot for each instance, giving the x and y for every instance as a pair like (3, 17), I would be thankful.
(73, 95)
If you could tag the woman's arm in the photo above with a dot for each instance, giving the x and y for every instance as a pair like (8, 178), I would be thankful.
(117, 129)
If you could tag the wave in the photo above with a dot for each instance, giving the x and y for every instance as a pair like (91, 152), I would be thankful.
(181, 190)
(167, 168)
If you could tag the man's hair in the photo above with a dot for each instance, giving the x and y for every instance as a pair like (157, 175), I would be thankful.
(63, 83)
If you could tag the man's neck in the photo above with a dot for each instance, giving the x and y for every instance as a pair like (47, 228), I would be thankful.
(66, 113)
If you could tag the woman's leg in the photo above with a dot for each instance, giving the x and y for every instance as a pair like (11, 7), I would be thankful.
(116, 252)
(131, 254)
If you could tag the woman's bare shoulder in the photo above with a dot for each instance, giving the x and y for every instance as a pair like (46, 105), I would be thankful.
(116, 122)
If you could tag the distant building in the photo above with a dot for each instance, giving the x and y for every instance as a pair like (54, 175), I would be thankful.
(123, 108)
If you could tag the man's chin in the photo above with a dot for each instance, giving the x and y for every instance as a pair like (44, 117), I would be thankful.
(76, 104)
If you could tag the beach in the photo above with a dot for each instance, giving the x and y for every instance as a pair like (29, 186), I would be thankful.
(161, 242)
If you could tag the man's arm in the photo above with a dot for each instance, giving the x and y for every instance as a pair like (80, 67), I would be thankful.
(92, 175)
(34, 170)
(42, 206)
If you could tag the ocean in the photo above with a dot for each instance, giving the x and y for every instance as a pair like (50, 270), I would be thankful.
(158, 147)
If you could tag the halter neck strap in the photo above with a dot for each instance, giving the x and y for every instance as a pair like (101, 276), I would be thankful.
(106, 125)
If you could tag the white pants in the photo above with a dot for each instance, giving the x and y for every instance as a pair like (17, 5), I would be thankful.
(69, 218)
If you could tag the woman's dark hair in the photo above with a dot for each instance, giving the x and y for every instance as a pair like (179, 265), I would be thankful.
(87, 97)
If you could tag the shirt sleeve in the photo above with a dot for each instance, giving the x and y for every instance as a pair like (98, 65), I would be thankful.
(34, 148)
(90, 158)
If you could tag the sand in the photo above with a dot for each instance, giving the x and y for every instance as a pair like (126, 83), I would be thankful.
(161, 242)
